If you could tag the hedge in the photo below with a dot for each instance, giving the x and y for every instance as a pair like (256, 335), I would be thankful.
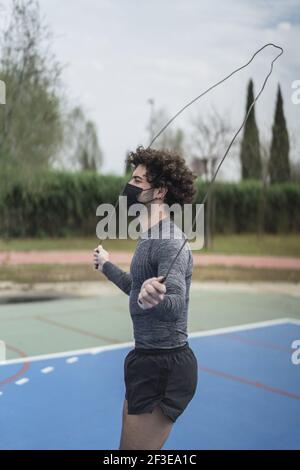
(64, 203)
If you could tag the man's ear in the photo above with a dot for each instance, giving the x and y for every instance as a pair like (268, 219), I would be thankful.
(164, 191)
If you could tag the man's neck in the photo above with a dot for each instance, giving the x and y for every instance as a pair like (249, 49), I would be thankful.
(154, 215)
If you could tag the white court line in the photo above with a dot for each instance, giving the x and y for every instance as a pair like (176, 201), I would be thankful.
(22, 381)
(58, 355)
(47, 370)
(100, 349)
(293, 320)
(71, 360)
(246, 326)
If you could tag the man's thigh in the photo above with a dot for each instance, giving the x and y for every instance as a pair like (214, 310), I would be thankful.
(145, 431)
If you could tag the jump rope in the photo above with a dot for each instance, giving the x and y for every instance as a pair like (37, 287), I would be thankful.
(163, 279)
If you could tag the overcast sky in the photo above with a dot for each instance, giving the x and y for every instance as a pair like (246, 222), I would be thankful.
(120, 53)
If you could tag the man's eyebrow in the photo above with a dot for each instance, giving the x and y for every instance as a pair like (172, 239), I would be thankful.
(136, 176)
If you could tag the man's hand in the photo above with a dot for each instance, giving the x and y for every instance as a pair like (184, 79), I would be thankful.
(100, 256)
(152, 292)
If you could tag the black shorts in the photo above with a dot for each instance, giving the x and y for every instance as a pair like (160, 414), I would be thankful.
(164, 377)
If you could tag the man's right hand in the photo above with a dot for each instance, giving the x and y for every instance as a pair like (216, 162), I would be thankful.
(100, 256)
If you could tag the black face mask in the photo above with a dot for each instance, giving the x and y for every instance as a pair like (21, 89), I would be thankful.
(132, 192)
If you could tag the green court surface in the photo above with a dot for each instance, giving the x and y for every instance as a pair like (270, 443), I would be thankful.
(50, 326)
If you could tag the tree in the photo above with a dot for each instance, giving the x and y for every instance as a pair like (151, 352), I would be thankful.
(171, 139)
(210, 137)
(279, 165)
(31, 119)
(250, 156)
(81, 149)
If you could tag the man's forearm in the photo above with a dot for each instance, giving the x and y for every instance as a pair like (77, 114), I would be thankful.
(119, 277)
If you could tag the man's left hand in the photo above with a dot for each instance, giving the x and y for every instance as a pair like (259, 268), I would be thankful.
(152, 292)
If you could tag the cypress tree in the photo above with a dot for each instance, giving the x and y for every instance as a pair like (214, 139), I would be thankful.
(279, 165)
(250, 149)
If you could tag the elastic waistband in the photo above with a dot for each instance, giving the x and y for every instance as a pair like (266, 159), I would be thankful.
(161, 350)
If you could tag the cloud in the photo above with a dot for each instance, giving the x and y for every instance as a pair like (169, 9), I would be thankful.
(284, 26)
(129, 51)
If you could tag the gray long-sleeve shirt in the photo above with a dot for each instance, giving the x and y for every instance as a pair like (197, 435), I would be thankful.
(165, 324)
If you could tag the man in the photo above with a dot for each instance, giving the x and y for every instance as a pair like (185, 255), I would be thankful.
(161, 371)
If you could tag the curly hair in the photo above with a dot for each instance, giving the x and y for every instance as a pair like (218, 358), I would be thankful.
(167, 169)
